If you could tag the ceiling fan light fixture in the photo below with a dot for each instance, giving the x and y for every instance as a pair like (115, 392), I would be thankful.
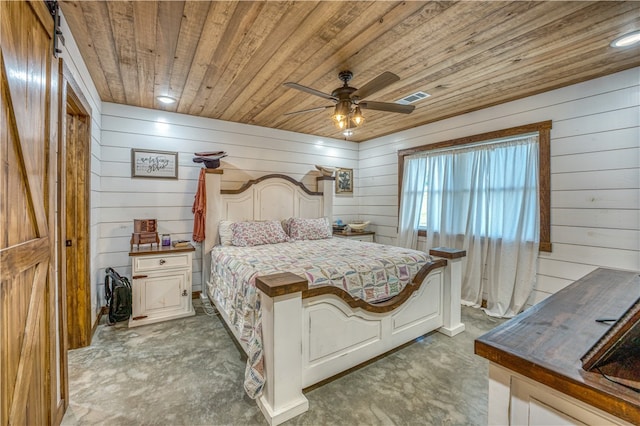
(349, 128)
(341, 114)
(341, 111)
(349, 101)
(357, 118)
(339, 120)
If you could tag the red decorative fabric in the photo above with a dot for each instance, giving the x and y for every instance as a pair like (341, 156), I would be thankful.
(199, 208)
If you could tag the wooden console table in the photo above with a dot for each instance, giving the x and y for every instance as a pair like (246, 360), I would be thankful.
(535, 373)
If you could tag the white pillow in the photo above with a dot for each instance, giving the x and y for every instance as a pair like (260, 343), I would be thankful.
(225, 232)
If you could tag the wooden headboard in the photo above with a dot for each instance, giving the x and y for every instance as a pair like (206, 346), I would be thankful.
(269, 197)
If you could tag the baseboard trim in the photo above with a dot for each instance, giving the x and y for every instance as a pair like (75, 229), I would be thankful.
(61, 409)
(103, 311)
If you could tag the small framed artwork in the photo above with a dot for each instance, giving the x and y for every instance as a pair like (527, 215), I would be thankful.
(344, 181)
(154, 164)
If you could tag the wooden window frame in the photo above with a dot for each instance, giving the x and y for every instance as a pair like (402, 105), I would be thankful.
(543, 128)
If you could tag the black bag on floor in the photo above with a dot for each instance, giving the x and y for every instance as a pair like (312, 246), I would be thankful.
(117, 290)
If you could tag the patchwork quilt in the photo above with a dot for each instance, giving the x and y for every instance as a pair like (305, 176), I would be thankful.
(368, 271)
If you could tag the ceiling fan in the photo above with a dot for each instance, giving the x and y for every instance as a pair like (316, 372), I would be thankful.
(349, 101)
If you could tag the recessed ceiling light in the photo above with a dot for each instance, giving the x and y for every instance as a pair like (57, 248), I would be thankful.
(166, 99)
(626, 40)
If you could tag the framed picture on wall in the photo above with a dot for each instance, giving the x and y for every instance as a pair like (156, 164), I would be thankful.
(154, 164)
(344, 181)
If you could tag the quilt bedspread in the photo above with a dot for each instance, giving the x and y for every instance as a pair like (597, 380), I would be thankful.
(367, 271)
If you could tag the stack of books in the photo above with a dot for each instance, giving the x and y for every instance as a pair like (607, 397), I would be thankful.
(181, 243)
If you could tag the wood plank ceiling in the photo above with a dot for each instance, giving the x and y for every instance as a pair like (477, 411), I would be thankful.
(228, 59)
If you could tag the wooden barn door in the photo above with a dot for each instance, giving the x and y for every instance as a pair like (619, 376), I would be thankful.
(28, 358)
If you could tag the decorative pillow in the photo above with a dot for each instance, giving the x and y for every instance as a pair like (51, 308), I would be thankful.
(309, 229)
(285, 225)
(257, 233)
(225, 232)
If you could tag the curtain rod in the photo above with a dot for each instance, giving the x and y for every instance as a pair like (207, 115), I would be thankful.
(473, 145)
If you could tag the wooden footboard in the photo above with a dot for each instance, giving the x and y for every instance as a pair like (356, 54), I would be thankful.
(337, 332)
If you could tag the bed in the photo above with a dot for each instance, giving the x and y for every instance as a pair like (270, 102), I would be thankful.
(296, 331)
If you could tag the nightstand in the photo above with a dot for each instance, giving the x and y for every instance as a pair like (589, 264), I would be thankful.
(366, 236)
(161, 284)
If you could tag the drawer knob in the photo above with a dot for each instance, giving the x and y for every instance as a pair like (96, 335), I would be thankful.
(162, 261)
(184, 293)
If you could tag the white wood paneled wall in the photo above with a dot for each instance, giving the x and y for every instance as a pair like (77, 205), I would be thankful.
(595, 173)
(252, 152)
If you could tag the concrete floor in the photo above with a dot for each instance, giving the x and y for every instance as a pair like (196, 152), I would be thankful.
(189, 372)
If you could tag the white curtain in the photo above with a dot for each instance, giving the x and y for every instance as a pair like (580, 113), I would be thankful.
(482, 199)
(411, 199)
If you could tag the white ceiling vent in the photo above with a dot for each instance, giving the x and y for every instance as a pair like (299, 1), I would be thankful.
(414, 97)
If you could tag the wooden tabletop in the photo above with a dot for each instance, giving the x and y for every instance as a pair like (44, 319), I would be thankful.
(546, 342)
(147, 249)
(353, 233)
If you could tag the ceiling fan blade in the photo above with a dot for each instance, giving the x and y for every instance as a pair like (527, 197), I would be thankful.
(309, 90)
(378, 83)
(387, 106)
(309, 110)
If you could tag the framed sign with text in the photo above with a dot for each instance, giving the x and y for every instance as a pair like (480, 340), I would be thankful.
(154, 164)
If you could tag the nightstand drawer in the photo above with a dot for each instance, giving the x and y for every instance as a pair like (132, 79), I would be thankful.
(160, 262)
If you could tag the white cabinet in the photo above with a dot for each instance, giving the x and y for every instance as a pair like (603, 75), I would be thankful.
(365, 236)
(161, 285)
(518, 400)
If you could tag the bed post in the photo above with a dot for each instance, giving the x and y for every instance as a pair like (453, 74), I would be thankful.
(213, 214)
(281, 300)
(452, 322)
(326, 185)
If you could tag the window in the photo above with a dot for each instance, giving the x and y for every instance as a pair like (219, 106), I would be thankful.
(508, 156)
(488, 190)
